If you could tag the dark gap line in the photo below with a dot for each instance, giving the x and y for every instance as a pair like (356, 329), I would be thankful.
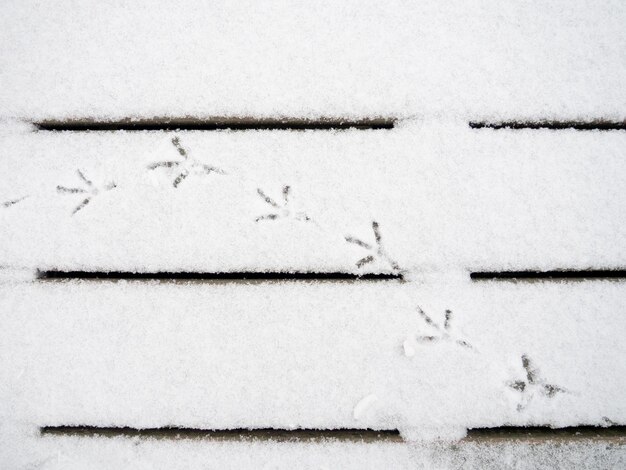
(219, 276)
(616, 433)
(600, 125)
(556, 274)
(226, 434)
(191, 124)
(511, 433)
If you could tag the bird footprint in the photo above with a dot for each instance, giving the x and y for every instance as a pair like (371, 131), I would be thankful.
(439, 333)
(89, 190)
(12, 202)
(282, 210)
(186, 166)
(376, 249)
(532, 385)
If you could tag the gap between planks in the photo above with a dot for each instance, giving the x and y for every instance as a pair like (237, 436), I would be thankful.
(265, 434)
(214, 124)
(591, 125)
(257, 276)
(260, 276)
(612, 434)
(187, 123)
(553, 275)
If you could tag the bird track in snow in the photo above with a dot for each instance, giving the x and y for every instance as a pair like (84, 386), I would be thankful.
(12, 202)
(439, 333)
(89, 189)
(532, 385)
(282, 210)
(377, 251)
(186, 166)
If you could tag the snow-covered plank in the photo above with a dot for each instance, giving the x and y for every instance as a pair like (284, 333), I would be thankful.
(469, 59)
(313, 355)
(75, 453)
(444, 196)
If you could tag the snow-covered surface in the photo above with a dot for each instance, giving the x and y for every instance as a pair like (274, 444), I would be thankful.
(72, 453)
(431, 199)
(445, 197)
(463, 58)
(312, 355)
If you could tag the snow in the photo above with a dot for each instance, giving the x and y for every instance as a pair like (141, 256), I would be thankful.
(432, 354)
(308, 201)
(74, 453)
(311, 354)
(364, 405)
(465, 59)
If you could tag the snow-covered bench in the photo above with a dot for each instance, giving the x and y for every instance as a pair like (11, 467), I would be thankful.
(373, 248)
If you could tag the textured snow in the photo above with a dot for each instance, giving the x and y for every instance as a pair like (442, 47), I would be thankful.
(431, 199)
(480, 59)
(312, 355)
(445, 197)
(72, 453)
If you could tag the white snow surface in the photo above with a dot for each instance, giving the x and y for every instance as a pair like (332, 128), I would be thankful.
(445, 197)
(71, 453)
(432, 199)
(305, 355)
(463, 59)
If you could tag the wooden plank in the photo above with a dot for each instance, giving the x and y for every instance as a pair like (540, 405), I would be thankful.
(73, 452)
(292, 354)
(461, 59)
(445, 197)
